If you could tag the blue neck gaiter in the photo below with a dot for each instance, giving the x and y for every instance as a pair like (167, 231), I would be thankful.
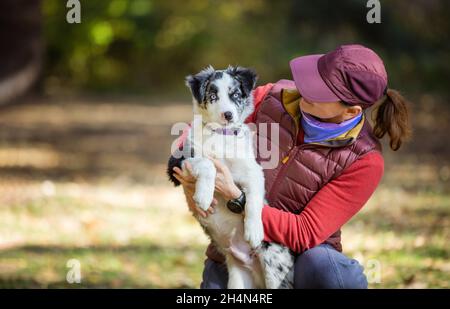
(317, 131)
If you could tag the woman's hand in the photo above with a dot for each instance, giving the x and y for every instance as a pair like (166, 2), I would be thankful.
(188, 183)
(224, 185)
(224, 181)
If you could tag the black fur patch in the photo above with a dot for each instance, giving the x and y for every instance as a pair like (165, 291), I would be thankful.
(246, 77)
(176, 162)
(216, 75)
(198, 83)
(170, 165)
(265, 244)
(212, 89)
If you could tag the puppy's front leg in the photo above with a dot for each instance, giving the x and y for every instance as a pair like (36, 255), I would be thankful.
(205, 173)
(253, 186)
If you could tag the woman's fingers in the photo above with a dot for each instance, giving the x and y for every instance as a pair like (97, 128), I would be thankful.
(190, 186)
(178, 170)
(180, 179)
(202, 213)
(189, 168)
(199, 211)
(180, 173)
(212, 208)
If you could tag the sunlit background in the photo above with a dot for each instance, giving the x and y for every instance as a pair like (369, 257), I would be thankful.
(85, 117)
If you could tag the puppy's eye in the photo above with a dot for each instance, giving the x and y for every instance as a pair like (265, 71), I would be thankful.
(236, 95)
(213, 97)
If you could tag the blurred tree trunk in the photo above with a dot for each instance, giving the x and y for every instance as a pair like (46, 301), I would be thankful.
(21, 47)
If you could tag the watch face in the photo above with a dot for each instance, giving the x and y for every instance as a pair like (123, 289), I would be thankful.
(235, 207)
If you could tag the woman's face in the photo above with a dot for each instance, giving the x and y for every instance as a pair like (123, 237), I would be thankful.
(330, 111)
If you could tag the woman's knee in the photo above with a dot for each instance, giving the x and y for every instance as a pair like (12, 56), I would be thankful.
(323, 267)
(215, 275)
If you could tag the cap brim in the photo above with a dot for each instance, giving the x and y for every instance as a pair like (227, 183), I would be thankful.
(308, 80)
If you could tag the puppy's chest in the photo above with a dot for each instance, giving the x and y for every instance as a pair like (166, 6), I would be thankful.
(228, 146)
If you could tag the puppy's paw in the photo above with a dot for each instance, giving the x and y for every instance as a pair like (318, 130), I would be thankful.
(253, 232)
(203, 199)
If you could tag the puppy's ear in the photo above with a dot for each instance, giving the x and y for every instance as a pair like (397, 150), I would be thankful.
(197, 83)
(247, 78)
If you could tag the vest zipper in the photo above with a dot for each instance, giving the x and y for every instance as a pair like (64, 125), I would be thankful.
(286, 161)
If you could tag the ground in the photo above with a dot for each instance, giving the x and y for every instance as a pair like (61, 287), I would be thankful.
(85, 179)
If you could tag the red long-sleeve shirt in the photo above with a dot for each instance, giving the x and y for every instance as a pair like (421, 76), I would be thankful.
(328, 210)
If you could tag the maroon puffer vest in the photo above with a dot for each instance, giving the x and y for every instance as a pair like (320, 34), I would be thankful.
(292, 184)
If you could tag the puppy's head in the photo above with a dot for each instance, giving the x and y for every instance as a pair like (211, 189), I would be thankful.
(223, 96)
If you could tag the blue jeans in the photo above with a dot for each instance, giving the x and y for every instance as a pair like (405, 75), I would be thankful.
(321, 267)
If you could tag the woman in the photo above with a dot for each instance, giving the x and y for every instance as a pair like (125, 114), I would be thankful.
(330, 161)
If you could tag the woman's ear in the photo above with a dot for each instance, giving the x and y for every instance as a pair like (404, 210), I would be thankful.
(352, 111)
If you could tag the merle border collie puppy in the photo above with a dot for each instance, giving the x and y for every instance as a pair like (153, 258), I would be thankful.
(223, 99)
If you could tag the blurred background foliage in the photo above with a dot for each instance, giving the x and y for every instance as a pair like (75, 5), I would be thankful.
(148, 46)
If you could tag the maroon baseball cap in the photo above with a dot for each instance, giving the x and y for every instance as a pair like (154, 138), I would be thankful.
(351, 73)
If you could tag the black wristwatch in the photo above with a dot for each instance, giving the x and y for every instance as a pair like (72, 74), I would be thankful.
(237, 205)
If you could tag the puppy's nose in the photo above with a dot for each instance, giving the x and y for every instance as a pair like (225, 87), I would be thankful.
(228, 115)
